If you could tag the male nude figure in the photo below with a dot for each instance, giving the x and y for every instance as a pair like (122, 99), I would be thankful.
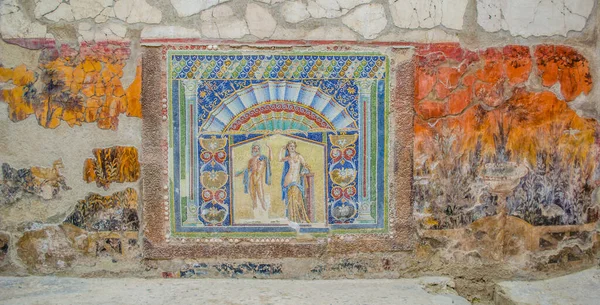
(256, 175)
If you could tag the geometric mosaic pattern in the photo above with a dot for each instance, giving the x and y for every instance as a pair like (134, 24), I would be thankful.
(277, 143)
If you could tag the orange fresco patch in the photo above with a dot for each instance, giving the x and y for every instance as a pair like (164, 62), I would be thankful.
(424, 83)
(77, 86)
(490, 94)
(458, 101)
(487, 115)
(431, 109)
(115, 164)
(447, 81)
(517, 63)
(564, 65)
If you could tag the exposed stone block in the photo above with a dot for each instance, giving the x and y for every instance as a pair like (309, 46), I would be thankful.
(368, 20)
(15, 24)
(260, 22)
(413, 14)
(534, 17)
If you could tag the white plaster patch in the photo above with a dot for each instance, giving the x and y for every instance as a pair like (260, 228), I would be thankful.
(534, 17)
(331, 33)
(14, 24)
(186, 8)
(108, 31)
(43, 7)
(134, 11)
(57, 10)
(294, 11)
(420, 36)
(260, 22)
(130, 11)
(107, 13)
(221, 22)
(413, 14)
(368, 20)
(332, 8)
(151, 32)
(62, 12)
(89, 8)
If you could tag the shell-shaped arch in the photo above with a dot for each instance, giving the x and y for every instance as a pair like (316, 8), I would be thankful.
(276, 106)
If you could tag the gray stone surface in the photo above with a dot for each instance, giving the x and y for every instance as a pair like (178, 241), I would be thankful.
(54, 290)
(575, 289)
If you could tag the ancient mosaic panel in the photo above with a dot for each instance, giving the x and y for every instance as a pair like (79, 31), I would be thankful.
(278, 143)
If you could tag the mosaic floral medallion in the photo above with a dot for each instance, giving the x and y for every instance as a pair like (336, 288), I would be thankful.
(276, 143)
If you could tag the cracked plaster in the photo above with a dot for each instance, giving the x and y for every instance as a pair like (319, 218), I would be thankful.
(186, 8)
(368, 20)
(222, 22)
(15, 24)
(260, 21)
(130, 11)
(413, 14)
(533, 17)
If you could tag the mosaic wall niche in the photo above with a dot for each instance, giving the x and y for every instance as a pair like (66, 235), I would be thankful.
(74, 86)
(479, 125)
(275, 144)
(115, 164)
(43, 182)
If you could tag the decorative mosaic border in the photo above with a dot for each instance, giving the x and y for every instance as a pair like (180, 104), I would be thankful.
(159, 238)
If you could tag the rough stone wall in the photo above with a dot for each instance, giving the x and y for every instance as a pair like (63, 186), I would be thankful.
(510, 81)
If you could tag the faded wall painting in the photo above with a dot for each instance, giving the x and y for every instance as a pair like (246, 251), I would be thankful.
(487, 140)
(276, 143)
(74, 86)
(46, 183)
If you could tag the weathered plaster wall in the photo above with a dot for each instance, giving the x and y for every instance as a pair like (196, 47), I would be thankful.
(495, 81)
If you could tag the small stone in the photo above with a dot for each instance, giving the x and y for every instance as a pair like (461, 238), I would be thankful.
(88, 8)
(14, 24)
(260, 22)
(294, 11)
(428, 13)
(324, 9)
(42, 7)
(191, 7)
(137, 11)
(368, 20)
(534, 17)
(62, 12)
(107, 13)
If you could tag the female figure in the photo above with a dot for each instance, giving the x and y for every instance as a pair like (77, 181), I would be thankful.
(292, 183)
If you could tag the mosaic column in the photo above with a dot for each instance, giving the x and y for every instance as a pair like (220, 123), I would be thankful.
(189, 187)
(364, 204)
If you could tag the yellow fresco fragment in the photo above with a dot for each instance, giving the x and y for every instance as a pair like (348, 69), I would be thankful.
(76, 87)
